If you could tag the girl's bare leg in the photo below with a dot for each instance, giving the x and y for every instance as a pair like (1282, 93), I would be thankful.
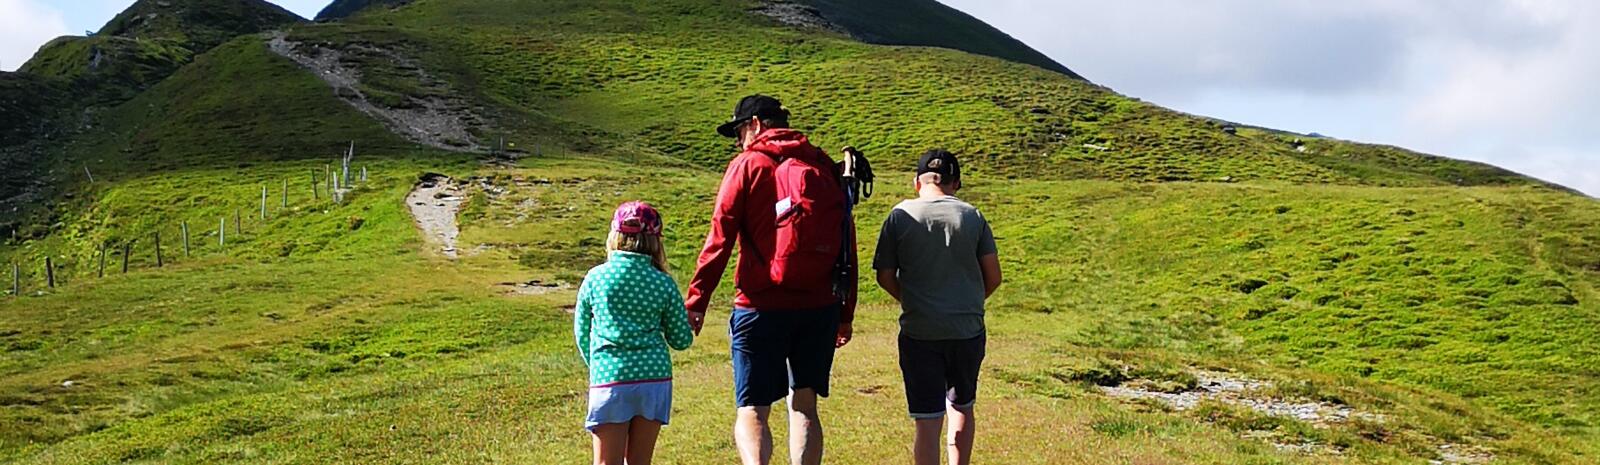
(642, 436)
(610, 443)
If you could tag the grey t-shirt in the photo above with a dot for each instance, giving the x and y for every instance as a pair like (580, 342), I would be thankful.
(935, 244)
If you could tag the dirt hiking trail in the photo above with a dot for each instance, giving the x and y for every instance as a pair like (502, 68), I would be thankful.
(434, 204)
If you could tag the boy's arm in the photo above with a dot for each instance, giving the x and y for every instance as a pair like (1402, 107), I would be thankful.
(886, 258)
(988, 260)
(675, 319)
(889, 280)
(990, 265)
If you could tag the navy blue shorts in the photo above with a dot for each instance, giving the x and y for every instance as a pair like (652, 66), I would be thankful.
(778, 351)
(940, 374)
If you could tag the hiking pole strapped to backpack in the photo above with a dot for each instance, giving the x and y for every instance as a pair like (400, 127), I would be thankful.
(856, 177)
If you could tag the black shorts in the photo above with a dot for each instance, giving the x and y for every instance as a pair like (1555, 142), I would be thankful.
(777, 351)
(940, 374)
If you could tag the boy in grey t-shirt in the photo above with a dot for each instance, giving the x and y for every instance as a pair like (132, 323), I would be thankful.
(937, 256)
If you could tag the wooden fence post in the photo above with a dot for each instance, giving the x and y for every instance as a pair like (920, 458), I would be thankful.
(102, 273)
(185, 226)
(222, 231)
(285, 193)
(16, 280)
(50, 271)
(160, 261)
(238, 223)
(346, 163)
(314, 188)
(127, 249)
(263, 201)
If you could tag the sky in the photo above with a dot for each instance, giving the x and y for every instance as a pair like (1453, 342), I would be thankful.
(1514, 83)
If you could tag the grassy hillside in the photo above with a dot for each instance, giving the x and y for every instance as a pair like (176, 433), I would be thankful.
(659, 73)
(58, 94)
(362, 347)
(1448, 307)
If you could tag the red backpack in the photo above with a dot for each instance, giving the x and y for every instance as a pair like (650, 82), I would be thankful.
(811, 215)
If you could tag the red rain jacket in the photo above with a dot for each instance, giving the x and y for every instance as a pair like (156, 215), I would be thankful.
(745, 214)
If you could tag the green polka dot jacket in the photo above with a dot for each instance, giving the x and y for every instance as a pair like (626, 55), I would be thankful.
(628, 313)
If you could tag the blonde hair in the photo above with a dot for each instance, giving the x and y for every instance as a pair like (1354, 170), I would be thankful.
(641, 243)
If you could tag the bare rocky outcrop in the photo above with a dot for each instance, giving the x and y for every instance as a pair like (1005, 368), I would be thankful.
(1254, 394)
(434, 121)
(798, 15)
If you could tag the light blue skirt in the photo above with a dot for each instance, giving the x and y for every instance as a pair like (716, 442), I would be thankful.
(620, 403)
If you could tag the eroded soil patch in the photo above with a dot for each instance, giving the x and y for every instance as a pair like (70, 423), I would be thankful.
(436, 120)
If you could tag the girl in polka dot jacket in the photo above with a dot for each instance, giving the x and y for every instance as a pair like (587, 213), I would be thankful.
(629, 311)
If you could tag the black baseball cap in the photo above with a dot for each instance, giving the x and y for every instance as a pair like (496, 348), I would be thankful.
(942, 162)
(754, 106)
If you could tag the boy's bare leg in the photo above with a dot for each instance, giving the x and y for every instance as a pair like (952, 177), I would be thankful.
(642, 436)
(962, 432)
(925, 448)
(610, 443)
(805, 428)
(753, 436)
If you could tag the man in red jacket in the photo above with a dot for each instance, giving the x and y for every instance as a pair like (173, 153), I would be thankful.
(783, 336)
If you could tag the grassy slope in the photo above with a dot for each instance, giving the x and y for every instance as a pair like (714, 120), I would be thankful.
(1464, 315)
(83, 76)
(396, 355)
(651, 70)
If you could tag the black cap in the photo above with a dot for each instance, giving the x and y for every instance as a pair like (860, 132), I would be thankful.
(754, 106)
(942, 162)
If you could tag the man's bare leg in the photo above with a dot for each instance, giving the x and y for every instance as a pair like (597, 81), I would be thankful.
(805, 428)
(753, 436)
(962, 432)
(925, 448)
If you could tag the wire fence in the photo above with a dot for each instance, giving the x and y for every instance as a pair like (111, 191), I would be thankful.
(330, 186)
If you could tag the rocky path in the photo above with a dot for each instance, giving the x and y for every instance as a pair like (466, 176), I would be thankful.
(434, 204)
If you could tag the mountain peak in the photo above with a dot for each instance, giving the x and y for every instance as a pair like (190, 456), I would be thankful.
(199, 24)
(926, 23)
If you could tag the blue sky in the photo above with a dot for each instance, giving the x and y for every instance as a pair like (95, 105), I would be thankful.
(1508, 82)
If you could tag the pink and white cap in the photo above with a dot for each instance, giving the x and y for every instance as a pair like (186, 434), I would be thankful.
(637, 217)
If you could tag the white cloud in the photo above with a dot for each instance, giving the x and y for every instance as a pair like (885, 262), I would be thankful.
(1509, 82)
(26, 25)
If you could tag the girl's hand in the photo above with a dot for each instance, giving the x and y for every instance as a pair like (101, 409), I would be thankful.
(696, 321)
(845, 333)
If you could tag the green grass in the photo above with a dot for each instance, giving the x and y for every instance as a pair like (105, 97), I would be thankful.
(1349, 274)
(364, 350)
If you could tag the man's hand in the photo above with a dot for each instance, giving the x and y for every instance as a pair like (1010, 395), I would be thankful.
(696, 321)
(845, 333)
